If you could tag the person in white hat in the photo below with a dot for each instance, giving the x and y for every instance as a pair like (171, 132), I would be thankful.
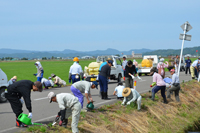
(40, 71)
(69, 105)
(12, 80)
(131, 95)
(161, 67)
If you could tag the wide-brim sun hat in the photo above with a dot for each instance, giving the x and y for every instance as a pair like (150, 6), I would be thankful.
(15, 77)
(53, 75)
(126, 92)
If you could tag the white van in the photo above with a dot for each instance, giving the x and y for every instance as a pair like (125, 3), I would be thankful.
(3, 85)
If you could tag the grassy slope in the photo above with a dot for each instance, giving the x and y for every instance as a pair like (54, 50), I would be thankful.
(155, 117)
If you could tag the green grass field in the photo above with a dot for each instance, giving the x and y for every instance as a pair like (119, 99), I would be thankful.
(26, 69)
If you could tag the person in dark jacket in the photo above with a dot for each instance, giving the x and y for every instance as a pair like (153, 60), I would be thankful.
(104, 76)
(130, 71)
(21, 89)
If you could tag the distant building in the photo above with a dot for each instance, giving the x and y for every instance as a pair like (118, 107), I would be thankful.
(136, 55)
(86, 57)
(188, 55)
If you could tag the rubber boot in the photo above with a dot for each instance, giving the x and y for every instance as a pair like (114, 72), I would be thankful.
(106, 96)
(64, 124)
(20, 124)
(165, 100)
(102, 95)
(152, 96)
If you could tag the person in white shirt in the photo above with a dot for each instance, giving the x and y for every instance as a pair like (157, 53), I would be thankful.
(194, 68)
(45, 83)
(124, 63)
(69, 105)
(75, 71)
(83, 87)
(174, 85)
(131, 95)
(118, 90)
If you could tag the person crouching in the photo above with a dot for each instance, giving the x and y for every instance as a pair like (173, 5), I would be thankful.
(131, 95)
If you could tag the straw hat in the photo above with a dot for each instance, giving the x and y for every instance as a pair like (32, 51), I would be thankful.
(126, 92)
(15, 77)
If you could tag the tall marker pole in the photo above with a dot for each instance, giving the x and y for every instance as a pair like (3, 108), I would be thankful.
(179, 66)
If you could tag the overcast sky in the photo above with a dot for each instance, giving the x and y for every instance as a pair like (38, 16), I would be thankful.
(85, 25)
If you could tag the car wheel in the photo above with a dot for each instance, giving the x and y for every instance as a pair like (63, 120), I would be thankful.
(2, 95)
(119, 78)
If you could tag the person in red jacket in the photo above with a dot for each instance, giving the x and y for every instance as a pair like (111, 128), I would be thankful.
(21, 89)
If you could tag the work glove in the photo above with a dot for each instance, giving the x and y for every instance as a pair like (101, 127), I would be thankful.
(35, 74)
(132, 77)
(60, 123)
(69, 80)
(151, 85)
(30, 115)
(122, 103)
(57, 118)
(128, 103)
(22, 101)
(139, 77)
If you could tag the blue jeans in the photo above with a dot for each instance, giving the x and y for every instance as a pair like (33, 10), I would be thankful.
(162, 88)
(39, 79)
(75, 79)
(103, 82)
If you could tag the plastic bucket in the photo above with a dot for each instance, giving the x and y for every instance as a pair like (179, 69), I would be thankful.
(24, 119)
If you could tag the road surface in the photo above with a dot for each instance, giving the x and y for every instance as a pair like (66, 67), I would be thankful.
(43, 111)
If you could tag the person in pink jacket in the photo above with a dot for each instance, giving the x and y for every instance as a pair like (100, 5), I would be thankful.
(161, 67)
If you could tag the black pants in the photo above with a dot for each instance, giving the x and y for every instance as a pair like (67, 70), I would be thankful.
(187, 68)
(15, 103)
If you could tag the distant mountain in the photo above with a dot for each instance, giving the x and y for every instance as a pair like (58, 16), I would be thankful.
(166, 52)
(64, 53)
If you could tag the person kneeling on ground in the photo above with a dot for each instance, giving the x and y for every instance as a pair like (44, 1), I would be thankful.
(118, 90)
(160, 84)
(167, 81)
(83, 87)
(131, 95)
(46, 83)
(58, 81)
(21, 89)
(174, 86)
(12, 80)
(69, 105)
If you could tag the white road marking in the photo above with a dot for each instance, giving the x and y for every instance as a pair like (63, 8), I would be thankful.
(7, 129)
(40, 98)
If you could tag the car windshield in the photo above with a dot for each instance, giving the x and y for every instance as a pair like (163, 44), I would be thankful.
(103, 58)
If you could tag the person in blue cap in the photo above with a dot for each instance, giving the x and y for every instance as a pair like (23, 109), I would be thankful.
(104, 77)
(83, 87)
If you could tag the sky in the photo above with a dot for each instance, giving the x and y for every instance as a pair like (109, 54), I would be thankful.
(85, 25)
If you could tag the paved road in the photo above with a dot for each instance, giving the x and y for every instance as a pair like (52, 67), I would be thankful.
(43, 111)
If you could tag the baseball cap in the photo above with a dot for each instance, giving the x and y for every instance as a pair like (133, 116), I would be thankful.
(49, 77)
(111, 62)
(38, 84)
(172, 70)
(95, 83)
(50, 96)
